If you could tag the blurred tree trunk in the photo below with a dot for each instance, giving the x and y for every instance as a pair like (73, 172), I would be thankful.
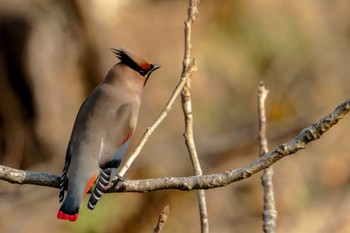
(32, 47)
(19, 146)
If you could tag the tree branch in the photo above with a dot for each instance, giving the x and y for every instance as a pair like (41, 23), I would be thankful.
(16, 176)
(307, 135)
(188, 113)
(270, 213)
(163, 216)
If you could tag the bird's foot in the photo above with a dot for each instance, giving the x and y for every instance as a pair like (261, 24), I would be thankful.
(118, 178)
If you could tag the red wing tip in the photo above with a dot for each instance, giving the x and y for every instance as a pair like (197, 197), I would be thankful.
(63, 216)
(127, 137)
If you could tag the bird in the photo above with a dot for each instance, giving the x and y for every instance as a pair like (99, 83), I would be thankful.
(102, 132)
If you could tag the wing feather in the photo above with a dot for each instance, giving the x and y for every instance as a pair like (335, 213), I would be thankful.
(115, 144)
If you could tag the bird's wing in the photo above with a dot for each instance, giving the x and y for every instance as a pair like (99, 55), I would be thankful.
(117, 136)
(79, 123)
(112, 150)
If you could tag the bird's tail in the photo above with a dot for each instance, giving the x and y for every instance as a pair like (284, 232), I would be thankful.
(69, 209)
(100, 187)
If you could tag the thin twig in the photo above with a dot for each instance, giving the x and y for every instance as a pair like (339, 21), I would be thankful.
(262, 95)
(163, 216)
(188, 113)
(270, 213)
(307, 135)
(186, 91)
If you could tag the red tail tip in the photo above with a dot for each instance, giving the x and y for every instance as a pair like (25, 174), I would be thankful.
(72, 218)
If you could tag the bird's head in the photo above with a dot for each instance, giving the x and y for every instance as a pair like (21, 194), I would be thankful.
(135, 62)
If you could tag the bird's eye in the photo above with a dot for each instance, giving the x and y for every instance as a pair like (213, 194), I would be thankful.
(142, 72)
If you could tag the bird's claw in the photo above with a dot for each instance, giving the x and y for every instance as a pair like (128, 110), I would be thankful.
(118, 178)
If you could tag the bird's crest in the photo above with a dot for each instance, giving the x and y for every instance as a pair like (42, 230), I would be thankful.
(132, 60)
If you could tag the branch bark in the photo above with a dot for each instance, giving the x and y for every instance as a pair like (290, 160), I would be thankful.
(163, 216)
(307, 135)
(188, 114)
(270, 212)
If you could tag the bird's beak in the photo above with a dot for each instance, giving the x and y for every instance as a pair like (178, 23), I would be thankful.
(153, 68)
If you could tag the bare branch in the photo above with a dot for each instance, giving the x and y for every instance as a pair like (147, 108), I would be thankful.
(262, 95)
(163, 216)
(270, 213)
(186, 92)
(188, 113)
(16, 176)
(307, 135)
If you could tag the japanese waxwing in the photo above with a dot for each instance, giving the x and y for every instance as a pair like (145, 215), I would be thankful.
(102, 132)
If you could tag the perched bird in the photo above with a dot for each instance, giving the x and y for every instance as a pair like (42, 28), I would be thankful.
(102, 131)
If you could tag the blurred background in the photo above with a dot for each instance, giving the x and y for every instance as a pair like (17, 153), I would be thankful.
(53, 54)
